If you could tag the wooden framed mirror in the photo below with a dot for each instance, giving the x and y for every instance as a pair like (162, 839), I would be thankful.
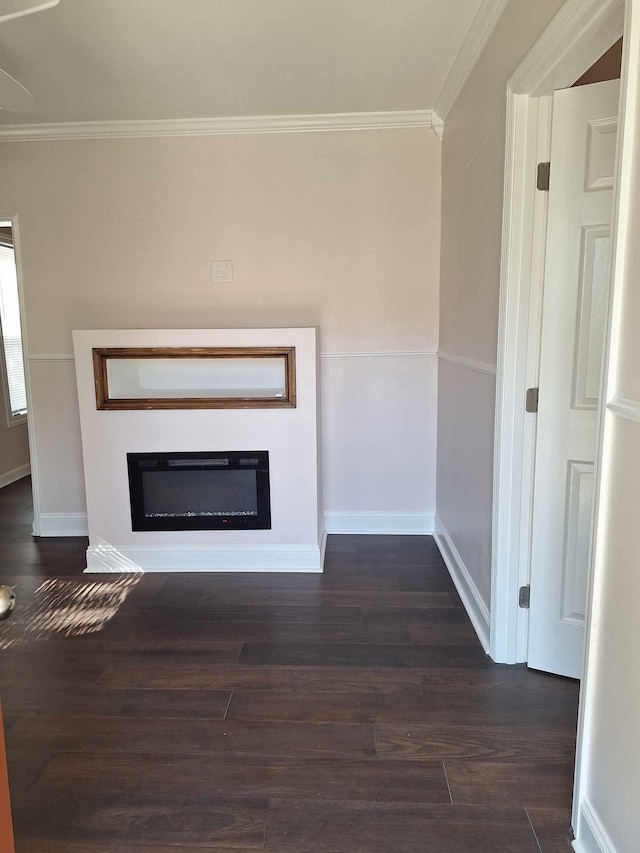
(194, 377)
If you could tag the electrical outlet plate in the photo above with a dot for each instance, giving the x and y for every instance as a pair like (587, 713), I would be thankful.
(221, 272)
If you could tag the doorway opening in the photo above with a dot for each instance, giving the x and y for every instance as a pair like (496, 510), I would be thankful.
(15, 461)
(575, 40)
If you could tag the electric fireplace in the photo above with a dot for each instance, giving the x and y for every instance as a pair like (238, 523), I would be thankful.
(159, 408)
(200, 491)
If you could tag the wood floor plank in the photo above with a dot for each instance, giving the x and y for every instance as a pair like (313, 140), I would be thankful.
(497, 697)
(378, 545)
(313, 778)
(308, 827)
(202, 704)
(444, 635)
(336, 654)
(330, 707)
(198, 819)
(275, 614)
(68, 654)
(333, 577)
(178, 736)
(321, 597)
(400, 707)
(527, 784)
(472, 742)
(358, 578)
(266, 632)
(37, 667)
(165, 646)
(384, 617)
(24, 766)
(552, 828)
(374, 565)
(424, 583)
(289, 679)
(508, 679)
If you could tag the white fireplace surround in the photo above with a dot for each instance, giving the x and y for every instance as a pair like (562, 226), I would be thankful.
(296, 539)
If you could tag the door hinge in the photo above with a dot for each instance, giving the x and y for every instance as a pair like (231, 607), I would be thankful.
(531, 403)
(524, 596)
(544, 173)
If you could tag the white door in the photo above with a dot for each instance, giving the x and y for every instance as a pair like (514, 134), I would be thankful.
(576, 295)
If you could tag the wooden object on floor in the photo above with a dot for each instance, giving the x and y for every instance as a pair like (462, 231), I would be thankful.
(6, 825)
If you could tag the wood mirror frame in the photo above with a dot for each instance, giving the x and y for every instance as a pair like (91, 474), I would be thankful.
(104, 402)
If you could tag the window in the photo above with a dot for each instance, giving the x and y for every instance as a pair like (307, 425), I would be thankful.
(16, 393)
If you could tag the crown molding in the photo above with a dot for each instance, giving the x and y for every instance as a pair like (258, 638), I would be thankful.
(578, 35)
(478, 35)
(437, 124)
(216, 126)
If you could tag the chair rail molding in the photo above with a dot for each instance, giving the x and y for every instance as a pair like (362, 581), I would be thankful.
(432, 353)
(471, 363)
(624, 408)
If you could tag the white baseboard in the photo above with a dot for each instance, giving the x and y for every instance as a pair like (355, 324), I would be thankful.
(231, 558)
(390, 523)
(473, 602)
(14, 475)
(62, 524)
(593, 837)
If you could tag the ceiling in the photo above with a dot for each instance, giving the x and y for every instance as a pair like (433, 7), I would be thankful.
(118, 60)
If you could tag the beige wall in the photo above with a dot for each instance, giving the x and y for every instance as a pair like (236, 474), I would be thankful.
(472, 187)
(339, 230)
(14, 447)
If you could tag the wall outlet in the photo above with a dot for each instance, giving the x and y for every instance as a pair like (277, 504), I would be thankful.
(221, 271)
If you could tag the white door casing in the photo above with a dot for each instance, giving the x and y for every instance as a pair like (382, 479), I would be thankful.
(576, 296)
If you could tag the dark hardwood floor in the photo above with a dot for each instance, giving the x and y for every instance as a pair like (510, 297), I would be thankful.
(353, 712)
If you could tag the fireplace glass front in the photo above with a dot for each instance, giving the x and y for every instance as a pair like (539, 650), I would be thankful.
(199, 491)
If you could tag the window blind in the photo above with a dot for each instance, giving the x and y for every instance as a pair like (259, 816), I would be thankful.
(11, 331)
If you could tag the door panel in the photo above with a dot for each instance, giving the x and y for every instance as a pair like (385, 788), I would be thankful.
(592, 312)
(575, 301)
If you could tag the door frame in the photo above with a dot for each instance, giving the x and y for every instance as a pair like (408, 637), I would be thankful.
(579, 34)
(33, 454)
